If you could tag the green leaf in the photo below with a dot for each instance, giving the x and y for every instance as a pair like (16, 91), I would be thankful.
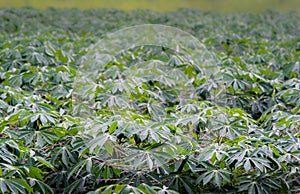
(113, 127)
(89, 164)
(24, 184)
(3, 186)
(109, 148)
(44, 162)
(208, 177)
(43, 119)
(35, 173)
(218, 179)
(247, 165)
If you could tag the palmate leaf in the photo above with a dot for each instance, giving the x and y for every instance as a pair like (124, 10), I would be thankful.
(111, 100)
(156, 111)
(39, 185)
(86, 166)
(217, 177)
(5, 154)
(231, 129)
(39, 138)
(77, 186)
(147, 159)
(148, 178)
(261, 184)
(44, 118)
(99, 142)
(65, 155)
(259, 163)
(126, 189)
(213, 152)
(15, 185)
(180, 183)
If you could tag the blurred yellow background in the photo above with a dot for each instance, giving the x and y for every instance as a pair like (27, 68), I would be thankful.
(162, 5)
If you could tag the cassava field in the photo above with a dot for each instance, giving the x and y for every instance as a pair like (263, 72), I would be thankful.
(154, 118)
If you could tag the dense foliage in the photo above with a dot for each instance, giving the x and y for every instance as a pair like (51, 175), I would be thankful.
(250, 144)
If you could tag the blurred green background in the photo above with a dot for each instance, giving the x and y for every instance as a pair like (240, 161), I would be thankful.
(163, 5)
